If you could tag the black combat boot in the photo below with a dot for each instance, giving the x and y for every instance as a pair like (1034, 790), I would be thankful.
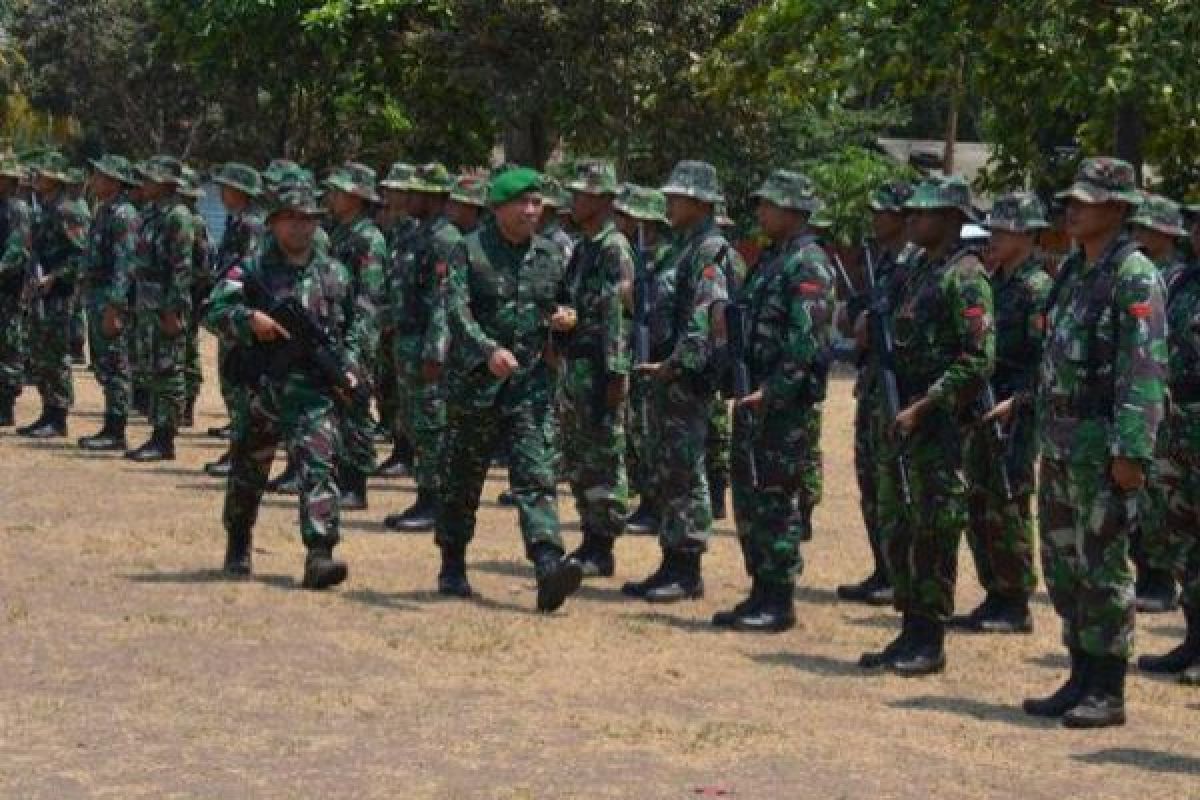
(54, 426)
(353, 485)
(140, 402)
(1157, 592)
(111, 437)
(725, 619)
(775, 614)
(595, 556)
(1179, 658)
(421, 516)
(1103, 702)
(221, 432)
(8, 406)
(557, 577)
(221, 467)
(399, 463)
(452, 578)
(321, 569)
(644, 520)
(159, 447)
(997, 614)
(655, 579)
(894, 649)
(238, 554)
(1066, 696)
(683, 582)
(926, 652)
(716, 494)
(876, 588)
(78, 357)
(288, 481)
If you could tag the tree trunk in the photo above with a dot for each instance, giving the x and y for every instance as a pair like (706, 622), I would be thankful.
(1130, 133)
(528, 141)
(956, 95)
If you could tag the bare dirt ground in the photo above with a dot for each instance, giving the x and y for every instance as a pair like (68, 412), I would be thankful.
(131, 669)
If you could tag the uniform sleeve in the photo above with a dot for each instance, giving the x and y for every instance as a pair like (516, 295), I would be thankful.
(75, 220)
(463, 328)
(178, 253)
(810, 309)
(694, 346)
(124, 243)
(227, 314)
(361, 333)
(618, 268)
(18, 247)
(371, 256)
(1141, 359)
(436, 343)
(967, 295)
(1037, 292)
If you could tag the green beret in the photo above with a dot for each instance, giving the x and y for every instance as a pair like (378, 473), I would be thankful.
(513, 183)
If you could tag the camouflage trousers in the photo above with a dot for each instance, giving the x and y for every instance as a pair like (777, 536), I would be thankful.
(775, 516)
(1085, 525)
(920, 542)
(1176, 480)
(110, 362)
(1152, 544)
(357, 437)
(50, 352)
(593, 451)
(387, 387)
(166, 381)
(720, 442)
(637, 459)
(1000, 531)
(421, 409)
(679, 423)
(868, 426)
(304, 420)
(12, 347)
(232, 394)
(140, 359)
(473, 436)
(193, 372)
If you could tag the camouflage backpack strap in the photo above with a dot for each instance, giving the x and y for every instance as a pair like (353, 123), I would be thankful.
(1104, 297)
(475, 256)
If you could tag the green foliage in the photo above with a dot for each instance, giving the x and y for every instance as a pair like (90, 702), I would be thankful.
(845, 179)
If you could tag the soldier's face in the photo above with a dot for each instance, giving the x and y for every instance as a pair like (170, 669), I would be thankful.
(232, 199)
(1005, 247)
(464, 217)
(931, 227)
(587, 207)
(104, 186)
(1158, 245)
(294, 231)
(344, 204)
(1085, 221)
(45, 185)
(684, 212)
(887, 225)
(519, 218)
(777, 223)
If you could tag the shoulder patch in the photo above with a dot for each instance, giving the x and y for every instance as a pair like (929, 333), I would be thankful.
(1140, 310)
(809, 288)
(710, 272)
(973, 312)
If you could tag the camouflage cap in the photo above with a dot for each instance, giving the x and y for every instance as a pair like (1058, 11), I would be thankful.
(891, 197)
(821, 219)
(298, 197)
(641, 202)
(470, 190)
(241, 177)
(1160, 214)
(10, 167)
(595, 177)
(53, 164)
(432, 178)
(287, 173)
(721, 215)
(356, 179)
(695, 179)
(116, 167)
(950, 191)
(191, 184)
(789, 190)
(553, 193)
(1104, 180)
(1017, 212)
(76, 176)
(162, 169)
(399, 177)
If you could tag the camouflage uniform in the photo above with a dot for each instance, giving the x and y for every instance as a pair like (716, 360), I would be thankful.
(203, 281)
(398, 237)
(16, 242)
(299, 410)
(1001, 531)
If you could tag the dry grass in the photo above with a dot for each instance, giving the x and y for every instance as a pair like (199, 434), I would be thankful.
(132, 670)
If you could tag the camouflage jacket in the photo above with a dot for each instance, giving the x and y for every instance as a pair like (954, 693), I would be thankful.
(240, 242)
(416, 292)
(165, 257)
(1183, 344)
(360, 246)
(555, 233)
(112, 252)
(891, 272)
(501, 295)
(16, 245)
(945, 339)
(703, 263)
(1100, 384)
(1019, 299)
(599, 266)
(60, 241)
(204, 276)
(788, 301)
(323, 286)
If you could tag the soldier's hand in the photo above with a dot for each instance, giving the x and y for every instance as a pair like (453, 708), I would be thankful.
(906, 420)
(46, 282)
(431, 371)
(170, 323)
(1128, 474)
(615, 391)
(563, 320)
(111, 323)
(752, 401)
(656, 370)
(1002, 413)
(503, 363)
(266, 329)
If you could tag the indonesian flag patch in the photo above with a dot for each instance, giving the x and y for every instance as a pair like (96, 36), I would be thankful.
(710, 272)
(1140, 310)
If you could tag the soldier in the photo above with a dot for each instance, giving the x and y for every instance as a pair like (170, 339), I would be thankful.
(357, 243)
(74, 188)
(163, 286)
(16, 242)
(414, 298)
(1157, 226)
(241, 187)
(108, 270)
(785, 312)
(59, 242)
(468, 202)
(203, 280)
(293, 407)
(1177, 474)
(556, 202)
(945, 346)
(595, 369)
(1001, 529)
(1099, 404)
(890, 252)
(504, 279)
(641, 215)
(703, 264)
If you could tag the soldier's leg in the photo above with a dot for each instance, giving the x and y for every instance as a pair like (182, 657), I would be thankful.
(168, 390)
(110, 364)
(471, 440)
(310, 429)
(252, 449)
(357, 458)
(531, 473)
(50, 368)
(1150, 543)
(426, 426)
(12, 366)
(78, 331)
(193, 374)
(717, 454)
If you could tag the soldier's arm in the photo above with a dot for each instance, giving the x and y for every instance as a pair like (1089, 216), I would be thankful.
(360, 319)
(75, 221)
(968, 295)
(372, 300)
(1037, 293)
(179, 232)
(1141, 359)
(465, 331)
(124, 242)
(618, 268)
(436, 342)
(695, 345)
(227, 314)
(810, 311)
(19, 245)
